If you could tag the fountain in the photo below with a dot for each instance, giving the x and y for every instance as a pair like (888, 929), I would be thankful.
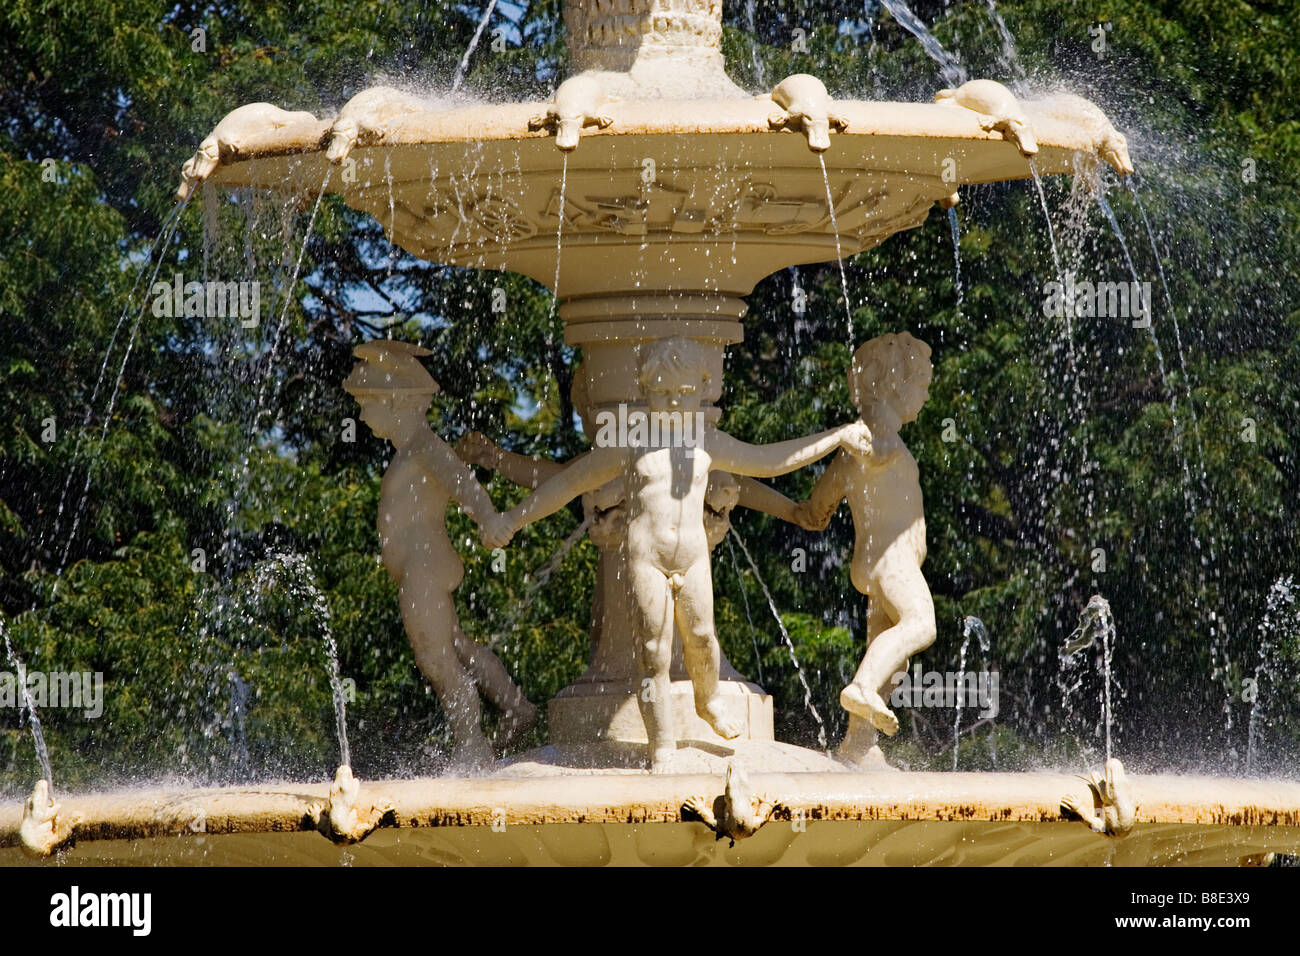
(651, 195)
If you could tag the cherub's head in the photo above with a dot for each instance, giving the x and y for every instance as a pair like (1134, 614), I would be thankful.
(892, 370)
(673, 375)
(392, 387)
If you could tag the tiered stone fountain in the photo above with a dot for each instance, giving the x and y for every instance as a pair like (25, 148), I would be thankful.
(651, 195)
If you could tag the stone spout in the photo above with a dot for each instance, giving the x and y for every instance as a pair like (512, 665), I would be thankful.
(362, 119)
(343, 819)
(1107, 142)
(231, 136)
(998, 110)
(806, 106)
(576, 106)
(42, 831)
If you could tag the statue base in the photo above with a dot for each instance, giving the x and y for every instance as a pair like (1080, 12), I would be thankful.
(596, 711)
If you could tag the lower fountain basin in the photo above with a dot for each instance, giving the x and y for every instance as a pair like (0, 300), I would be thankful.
(887, 818)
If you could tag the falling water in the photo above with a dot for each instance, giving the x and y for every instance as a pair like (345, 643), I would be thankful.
(1280, 595)
(954, 74)
(38, 738)
(1008, 57)
(299, 569)
(785, 635)
(759, 72)
(117, 383)
(1178, 335)
(268, 370)
(1095, 622)
(956, 253)
(1047, 218)
(971, 626)
(839, 255)
(744, 597)
(469, 50)
(164, 235)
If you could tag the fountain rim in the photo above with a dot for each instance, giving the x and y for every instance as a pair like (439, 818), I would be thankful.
(1060, 141)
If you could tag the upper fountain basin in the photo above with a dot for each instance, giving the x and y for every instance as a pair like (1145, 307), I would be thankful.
(683, 184)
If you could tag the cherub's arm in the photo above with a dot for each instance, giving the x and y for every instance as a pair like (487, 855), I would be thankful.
(585, 473)
(458, 478)
(757, 496)
(764, 461)
(815, 513)
(526, 470)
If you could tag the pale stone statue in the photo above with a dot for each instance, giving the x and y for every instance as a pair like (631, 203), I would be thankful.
(739, 812)
(1114, 811)
(998, 108)
(606, 514)
(668, 572)
(806, 106)
(889, 382)
(395, 392)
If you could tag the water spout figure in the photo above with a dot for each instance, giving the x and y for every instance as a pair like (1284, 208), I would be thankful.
(806, 107)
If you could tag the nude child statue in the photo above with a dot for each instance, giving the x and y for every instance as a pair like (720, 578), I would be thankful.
(606, 509)
(395, 391)
(889, 381)
(667, 547)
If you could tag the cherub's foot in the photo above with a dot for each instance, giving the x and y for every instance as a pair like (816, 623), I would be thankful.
(870, 761)
(514, 724)
(869, 705)
(725, 726)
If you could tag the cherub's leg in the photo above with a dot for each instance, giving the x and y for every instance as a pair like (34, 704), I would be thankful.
(430, 620)
(700, 646)
(652, 630)
(904, 597)
(518, 713)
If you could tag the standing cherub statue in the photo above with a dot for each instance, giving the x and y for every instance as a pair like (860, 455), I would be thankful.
(395, 391)
(668, 573)
(606, 515)
(889, 381)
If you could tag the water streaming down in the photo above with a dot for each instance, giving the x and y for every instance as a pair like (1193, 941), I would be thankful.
(297, 570)
(956, 254)
(463, 66)
(1096, 623)
(1178, 339)
(267, 373)
(839, 257)
(33, 719)
(744, 597)
(1051, 233)
(954, 74)
(112, 398)
(164, 233)
(785, 635)
(1280, 603)
(759, 72)
(1008, 56)
(970, 627)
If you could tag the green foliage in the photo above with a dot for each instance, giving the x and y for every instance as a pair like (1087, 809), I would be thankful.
(211, 445)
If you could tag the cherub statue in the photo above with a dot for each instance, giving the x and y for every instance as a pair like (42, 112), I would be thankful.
(889, 381)
(395, 391)
(606, 513)
(667, 548)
